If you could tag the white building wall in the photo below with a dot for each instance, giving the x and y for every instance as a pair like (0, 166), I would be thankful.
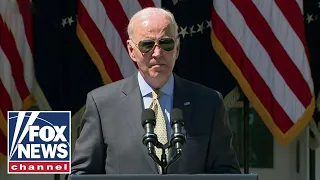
(284, 164)
(285, 161)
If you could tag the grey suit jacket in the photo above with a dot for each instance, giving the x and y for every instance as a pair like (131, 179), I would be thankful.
(111, 137)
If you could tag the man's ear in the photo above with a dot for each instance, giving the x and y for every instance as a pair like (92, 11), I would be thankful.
(177, 48)
(131, 50)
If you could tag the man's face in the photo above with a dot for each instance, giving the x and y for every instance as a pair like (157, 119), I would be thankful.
(156, 63)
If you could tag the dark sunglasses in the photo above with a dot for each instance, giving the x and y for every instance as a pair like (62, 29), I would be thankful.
(147, 45)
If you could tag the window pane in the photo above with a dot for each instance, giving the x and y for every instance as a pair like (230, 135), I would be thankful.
(260, 139)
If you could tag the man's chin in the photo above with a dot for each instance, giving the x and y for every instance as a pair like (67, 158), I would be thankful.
(157, 74)
(158, 68)
(157, 79)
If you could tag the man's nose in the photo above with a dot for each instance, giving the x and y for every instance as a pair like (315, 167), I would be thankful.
(156, 51)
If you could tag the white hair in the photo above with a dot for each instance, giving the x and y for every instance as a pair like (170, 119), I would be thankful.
(151, 11)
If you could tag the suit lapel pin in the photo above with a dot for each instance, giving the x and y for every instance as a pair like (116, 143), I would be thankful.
(186, 103)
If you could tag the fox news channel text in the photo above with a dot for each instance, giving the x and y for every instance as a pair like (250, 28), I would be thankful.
(39, 142)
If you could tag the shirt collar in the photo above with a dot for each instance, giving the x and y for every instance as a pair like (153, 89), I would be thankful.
(146, 89)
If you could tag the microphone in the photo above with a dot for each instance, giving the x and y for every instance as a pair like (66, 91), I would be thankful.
(148, 122)
(176, 121)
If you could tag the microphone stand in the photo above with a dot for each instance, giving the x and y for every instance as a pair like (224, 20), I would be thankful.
(163, 162)
(164, 165)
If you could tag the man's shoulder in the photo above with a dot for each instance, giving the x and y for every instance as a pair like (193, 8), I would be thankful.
(110, 88)
(198, 88)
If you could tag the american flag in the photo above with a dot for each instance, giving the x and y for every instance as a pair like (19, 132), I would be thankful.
(263, 44)
(102, 30)
(16, 61)
(312, 24)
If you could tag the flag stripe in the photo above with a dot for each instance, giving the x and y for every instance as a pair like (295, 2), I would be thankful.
(261, 61)
(300, 4)
(146, 3)
(110, 20)
(94, 55)
(157, 3)
(9, 48)
(97, 40)
(259, 87)
(25, 10)
(287, 36)
(130, 7)
(16, 61)
(278, 55)
(250, 36)
(293, 11)
(118, 18)
(112, 38)
(14, 22)
(9, 85)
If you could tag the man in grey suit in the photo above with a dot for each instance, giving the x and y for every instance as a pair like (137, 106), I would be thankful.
(111, 137)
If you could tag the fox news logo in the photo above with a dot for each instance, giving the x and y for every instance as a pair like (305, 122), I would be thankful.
(39, 142)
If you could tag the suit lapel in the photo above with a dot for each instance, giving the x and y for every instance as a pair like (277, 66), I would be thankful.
(182, 100)
(132, 102)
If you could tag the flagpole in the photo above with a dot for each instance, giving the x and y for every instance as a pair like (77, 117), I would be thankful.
(56, 177)
(312, 164)
(246, 111)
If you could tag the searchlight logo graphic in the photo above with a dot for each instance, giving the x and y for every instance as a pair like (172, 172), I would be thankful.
(39, 142)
